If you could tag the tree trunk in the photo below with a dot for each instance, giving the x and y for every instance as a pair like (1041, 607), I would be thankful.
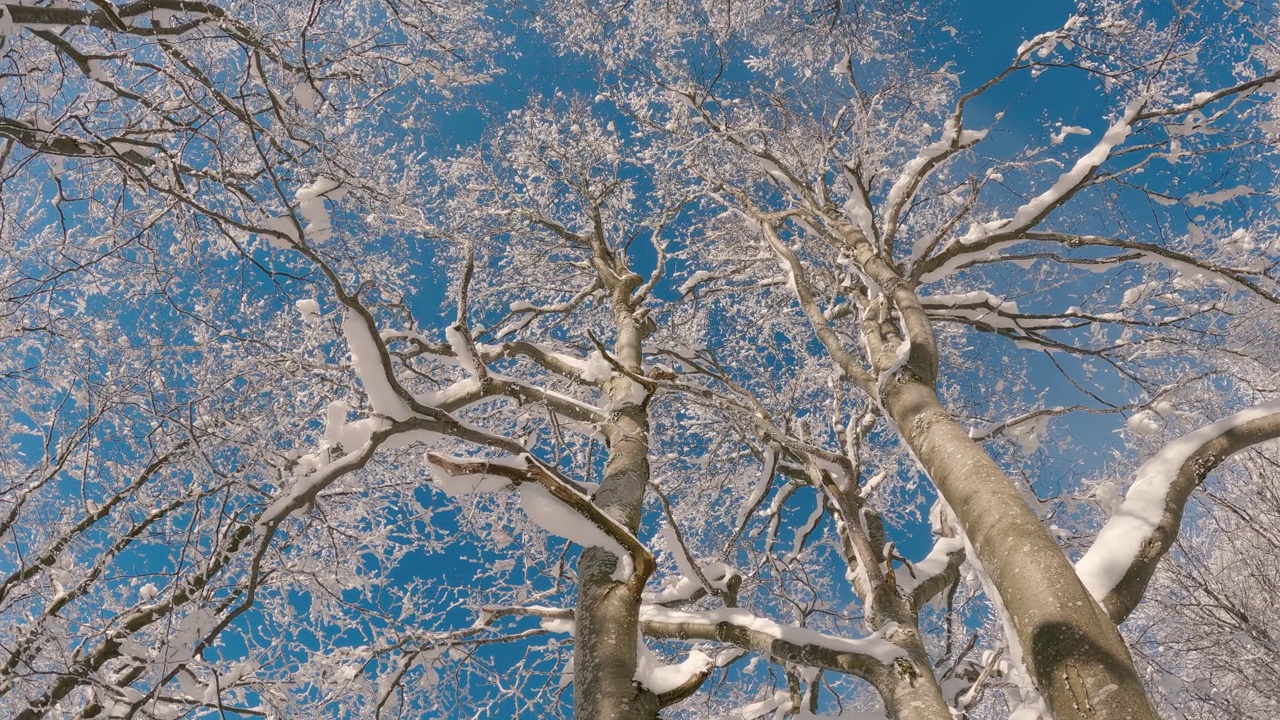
(1071, 649)
(910, 691)
(604, 652)
(608, 611)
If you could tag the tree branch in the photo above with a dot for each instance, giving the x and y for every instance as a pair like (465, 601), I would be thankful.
(1119, 565)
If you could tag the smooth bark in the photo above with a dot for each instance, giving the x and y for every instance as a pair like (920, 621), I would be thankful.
(1069, 646)
(608, 612)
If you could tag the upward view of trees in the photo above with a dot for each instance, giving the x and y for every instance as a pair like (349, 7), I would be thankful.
(417, 358)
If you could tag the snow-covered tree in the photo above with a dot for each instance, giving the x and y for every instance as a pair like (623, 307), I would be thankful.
(760, 359)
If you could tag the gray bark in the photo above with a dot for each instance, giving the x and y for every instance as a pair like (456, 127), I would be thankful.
(604, 655)
(1070, 647)
(908, 687)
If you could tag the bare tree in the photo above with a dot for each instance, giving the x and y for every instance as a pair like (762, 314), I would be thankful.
(720, 336)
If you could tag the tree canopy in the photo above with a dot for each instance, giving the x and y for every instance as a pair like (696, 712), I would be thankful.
(768, 358)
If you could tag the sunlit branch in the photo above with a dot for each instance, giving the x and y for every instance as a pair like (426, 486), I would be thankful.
(1122, 559)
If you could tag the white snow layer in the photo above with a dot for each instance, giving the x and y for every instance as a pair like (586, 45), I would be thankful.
(1030, 212)
(458, 343)
(348, 435)
(1219, 197)
(311, 207)
(694, 280)
(762, 485)
(1121, 539)
(1090, 162)
(556, 518)
(459, 485)
(933, 564)
(660, 678)
(368, 366)
(309, 309)
(683, 561)
(597, 368)
(1058, 137)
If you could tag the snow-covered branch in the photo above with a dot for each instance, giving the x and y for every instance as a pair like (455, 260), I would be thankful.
(560, 493)
(864, 657)
(1123, 557)
(989, 237)
(937, 571)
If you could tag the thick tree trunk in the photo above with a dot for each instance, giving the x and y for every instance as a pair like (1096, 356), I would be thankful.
(608, 611)
(604, 655)
(1069, 646)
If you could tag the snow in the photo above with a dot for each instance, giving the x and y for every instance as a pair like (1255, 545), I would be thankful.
(874, 646)
(639, 393)
(367, 361)
(563, 626)
(97, 73)
(927, 156)
(979, 297)
(1143, 423)
(901, 354)
(699, 277)
(766, 474)
(804, 530)
(1027, 434)
(1136, 293)
(597, 368)
(348, 435)
(776, 703)
(1121, 540)
(683, 589)
(978, 231)
(462, 350)
(1058, 137)
(1028, 214)
(1027, 712)
(857, 210)
(553, 516)
(1045, 41)
(778, 176)
(933, 564)
(285, 226)
(309, 309)
(191, 685)
(1219, 197)
(1090, 162)
(449, 396)
(459, 485)
(660, 678)
(310, 198)
(306, 96)
(428, 659)
(677, 551)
